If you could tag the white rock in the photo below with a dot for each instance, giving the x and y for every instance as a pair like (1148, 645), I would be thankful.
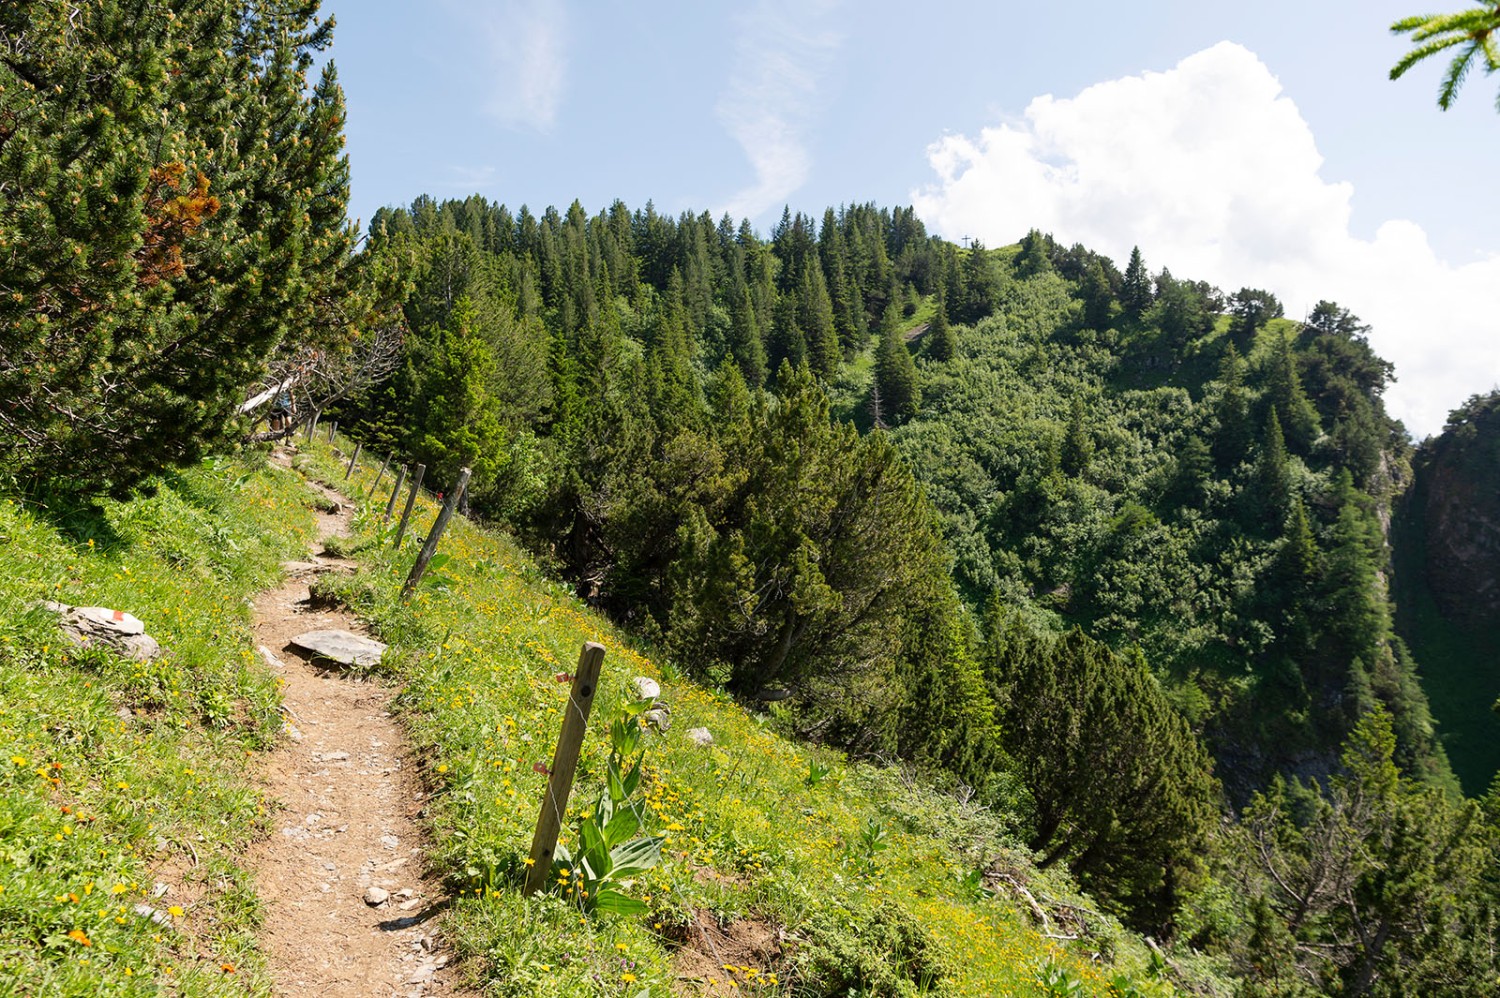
(700, 737)
(645, 688)
(377, 896)
(159, 917)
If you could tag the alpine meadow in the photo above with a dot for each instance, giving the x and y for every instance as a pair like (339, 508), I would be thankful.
(978, 615)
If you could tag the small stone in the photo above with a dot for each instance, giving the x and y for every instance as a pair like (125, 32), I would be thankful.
(159, 917)
(429, 943)
(336, 757)
(701, 737)
(409, 905)
(271, 658)
(377, 896)
(645, 688)
(389, 841)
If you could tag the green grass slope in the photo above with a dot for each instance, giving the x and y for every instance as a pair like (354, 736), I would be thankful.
(116, 776)
(868, 875)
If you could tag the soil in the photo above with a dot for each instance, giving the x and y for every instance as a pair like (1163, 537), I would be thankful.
(349, 819)
(714, 958)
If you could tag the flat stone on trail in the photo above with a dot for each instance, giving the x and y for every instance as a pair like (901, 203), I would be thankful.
(341, 646)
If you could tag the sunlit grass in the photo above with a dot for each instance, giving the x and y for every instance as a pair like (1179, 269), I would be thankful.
(115, 775)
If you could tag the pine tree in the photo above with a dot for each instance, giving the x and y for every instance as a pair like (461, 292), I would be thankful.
(1136, 295)
(458, 424)
(1381, 881)
(1271, 491)
(896, 376)
(1034, 257)
(942, 342)
(175, 205)
(1122, 788)
(744, 339)
(1232, 440)
(1098, 296)
(1078, 442)
(1284, 394)
(815, 317)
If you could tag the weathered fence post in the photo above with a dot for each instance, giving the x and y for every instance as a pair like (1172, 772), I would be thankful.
(416, 486)
(383, 465)
(358, 445)
(429, 546)
(312, 425)
(391, 503)
(333, 428)
(564, 765)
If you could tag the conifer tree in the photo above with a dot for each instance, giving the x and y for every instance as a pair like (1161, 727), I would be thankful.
(175, 205)
(942, 342)
(815, 317)
(1271, 492)
(1034, 257)
(896, 376)
(1122, 788)
(1078, 441)
(1284, 393)
(1098, 296)
(459, 423)
(1136, 295)
(1232, 441)
(744, 338)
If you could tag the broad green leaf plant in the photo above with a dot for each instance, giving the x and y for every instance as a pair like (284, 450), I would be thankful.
(609, 852)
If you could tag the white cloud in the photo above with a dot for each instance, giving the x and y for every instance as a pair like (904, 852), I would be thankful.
(470, 179)
(524, 41)
(782, 51)
(1215, 175)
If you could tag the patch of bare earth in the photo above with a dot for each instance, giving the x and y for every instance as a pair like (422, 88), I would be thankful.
(347, 909)
(716, 958)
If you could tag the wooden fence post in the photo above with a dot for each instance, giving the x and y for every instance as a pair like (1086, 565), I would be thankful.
(416, 486)
(381, 474)
(358, 445)
(333, 428)
(429, 546)
(312, 425)
(564, 765)
(391, 503)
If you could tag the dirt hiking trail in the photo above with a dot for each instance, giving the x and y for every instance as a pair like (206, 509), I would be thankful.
(347, 910)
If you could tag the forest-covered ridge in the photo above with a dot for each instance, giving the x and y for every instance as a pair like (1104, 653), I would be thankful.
(1095, 442)
(1111, 538)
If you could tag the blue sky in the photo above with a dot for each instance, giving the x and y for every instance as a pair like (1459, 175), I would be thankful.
(1283, 159)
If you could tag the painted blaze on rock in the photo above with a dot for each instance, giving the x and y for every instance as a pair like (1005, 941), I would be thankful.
(87, 626)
